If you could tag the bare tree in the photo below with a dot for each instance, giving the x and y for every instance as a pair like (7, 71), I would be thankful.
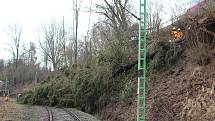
(14, 32)
(63, 42)
(116, 15)
(45, 59)
(76, 10)
(69, 51)
(32, 54)
(52, 47)
(114, 33)
(100, 36)
(154, 21)
(28, 54)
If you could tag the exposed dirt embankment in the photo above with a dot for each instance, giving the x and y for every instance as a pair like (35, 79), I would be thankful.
(167, 91)
(173, 95)
(170, 92)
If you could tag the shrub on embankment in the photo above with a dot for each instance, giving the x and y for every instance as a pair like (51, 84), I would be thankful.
(165, 56)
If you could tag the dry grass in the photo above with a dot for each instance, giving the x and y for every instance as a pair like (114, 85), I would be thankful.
(200, 107)
(10, 111)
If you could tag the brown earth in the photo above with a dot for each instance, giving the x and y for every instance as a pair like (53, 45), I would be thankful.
(10, 111)
(173, 95)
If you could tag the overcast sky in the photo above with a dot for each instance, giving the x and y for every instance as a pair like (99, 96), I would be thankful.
(30, 14)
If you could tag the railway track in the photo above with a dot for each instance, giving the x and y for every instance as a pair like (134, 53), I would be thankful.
(50, 114)
(73, 115)
(53, 116)
(44, 113)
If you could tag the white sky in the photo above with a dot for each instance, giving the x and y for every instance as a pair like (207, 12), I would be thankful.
(30, 14)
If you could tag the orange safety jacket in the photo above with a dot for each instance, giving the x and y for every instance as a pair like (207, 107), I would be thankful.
(176, 35)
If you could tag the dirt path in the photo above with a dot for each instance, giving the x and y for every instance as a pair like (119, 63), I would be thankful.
(10, 111)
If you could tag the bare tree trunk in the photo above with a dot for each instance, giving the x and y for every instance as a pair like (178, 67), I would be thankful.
(76, 37)
(52, 45)
(91, 50)
(55, 66)
(17, 57)
(76, 12)
(15, 35)
(64, 44)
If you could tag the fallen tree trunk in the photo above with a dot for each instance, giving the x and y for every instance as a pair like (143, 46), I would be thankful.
(123, 68)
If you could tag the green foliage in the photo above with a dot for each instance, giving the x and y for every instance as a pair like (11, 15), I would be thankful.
(48, 93)
(26, 98)
(90, 89)
(39, 96)
(164, 57)
(126, 94)
(91, 85)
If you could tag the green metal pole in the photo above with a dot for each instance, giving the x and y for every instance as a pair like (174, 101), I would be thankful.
(142, 51)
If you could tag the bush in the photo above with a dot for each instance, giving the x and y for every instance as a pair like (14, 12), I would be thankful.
(26, 98)
(126, 94)
(164, 57)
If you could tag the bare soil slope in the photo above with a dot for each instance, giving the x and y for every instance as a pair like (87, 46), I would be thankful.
(185, 92)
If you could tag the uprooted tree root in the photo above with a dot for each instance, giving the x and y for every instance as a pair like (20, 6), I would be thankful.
(201, 38)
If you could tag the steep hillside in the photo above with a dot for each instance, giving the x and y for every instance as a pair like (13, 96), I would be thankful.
(171, 92)
(184, 92)
(180, 82)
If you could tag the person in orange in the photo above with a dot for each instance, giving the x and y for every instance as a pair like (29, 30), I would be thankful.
(176, 34)
(179, 34)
